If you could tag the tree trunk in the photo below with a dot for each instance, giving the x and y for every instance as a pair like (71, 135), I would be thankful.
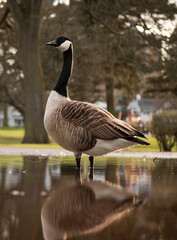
(109, 83)
(27, 18)
(5, 111)
(33, 82)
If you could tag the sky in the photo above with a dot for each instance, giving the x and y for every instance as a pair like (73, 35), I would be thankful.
(166, 30)
(173, 1)
(61, 1)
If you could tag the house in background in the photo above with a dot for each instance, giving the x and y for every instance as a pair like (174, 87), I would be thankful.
(15, 119)
(140, 112)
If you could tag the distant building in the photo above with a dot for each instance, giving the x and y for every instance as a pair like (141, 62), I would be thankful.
(140, 111)
(144, 107)
(15, 119)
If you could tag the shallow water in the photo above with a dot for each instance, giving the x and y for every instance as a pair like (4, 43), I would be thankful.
(26, 183)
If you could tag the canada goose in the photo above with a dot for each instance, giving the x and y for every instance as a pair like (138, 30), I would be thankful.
(74, 210)
(82, 127)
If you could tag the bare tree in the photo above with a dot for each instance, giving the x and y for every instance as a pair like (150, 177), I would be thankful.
(27, 21)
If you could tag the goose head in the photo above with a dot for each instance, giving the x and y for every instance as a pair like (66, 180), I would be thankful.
(61, 43)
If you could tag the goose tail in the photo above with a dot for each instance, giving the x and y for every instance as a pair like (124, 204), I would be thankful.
(138, 140)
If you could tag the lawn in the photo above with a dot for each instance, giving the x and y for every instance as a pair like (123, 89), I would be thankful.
(12, 137)
(143, 148)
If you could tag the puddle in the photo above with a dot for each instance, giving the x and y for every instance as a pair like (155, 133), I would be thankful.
(27, 182)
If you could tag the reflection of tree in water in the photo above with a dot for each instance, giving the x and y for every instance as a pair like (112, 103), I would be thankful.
(20, 215)
(110, 172)
(166, 164)
(130, 175)
(164, 180)
(32, 184)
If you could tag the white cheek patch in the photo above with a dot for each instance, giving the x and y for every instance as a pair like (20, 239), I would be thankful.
(64, 46)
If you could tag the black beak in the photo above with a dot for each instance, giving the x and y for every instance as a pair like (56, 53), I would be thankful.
(52, 43)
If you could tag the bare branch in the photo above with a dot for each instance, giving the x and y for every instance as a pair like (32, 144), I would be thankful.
(19, 106)
(4, 16)
(107, 26)
(9, 24)
(15, 10)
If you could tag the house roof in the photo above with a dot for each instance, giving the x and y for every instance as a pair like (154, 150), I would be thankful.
(145, 105)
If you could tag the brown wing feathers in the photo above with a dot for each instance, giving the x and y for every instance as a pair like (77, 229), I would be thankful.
(131, 135)
(125, 126)
(101, 124)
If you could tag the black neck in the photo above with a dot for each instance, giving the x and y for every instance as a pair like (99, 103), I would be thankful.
(62, 84)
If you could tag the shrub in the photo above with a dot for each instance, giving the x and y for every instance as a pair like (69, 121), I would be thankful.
(165, 129)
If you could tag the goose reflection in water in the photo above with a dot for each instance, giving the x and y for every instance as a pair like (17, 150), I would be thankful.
(82, 208)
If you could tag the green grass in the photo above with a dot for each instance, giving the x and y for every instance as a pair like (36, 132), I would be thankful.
(12, 137)
(143, 148)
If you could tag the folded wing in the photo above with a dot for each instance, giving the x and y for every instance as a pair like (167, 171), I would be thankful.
(99, 122)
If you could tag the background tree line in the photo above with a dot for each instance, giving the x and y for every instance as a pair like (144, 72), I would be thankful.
(118, 44)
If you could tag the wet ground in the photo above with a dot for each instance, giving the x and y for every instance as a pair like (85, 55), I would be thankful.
(87, 205)
(26, 151)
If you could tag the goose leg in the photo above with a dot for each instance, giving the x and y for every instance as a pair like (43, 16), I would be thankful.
(91, 174)
(91, 159)
(78, 163)
(78, 176)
